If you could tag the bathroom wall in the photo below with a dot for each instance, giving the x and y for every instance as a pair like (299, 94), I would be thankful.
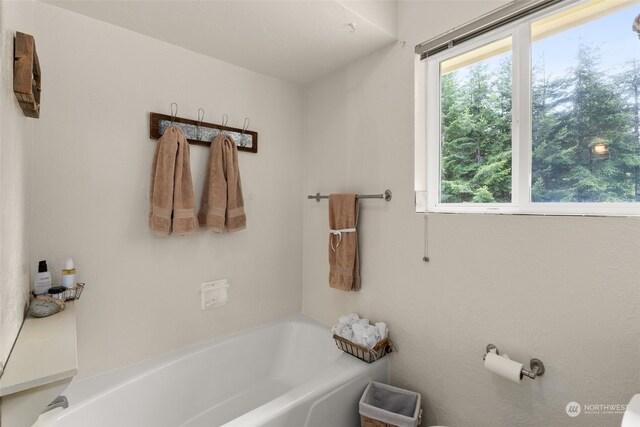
(565, 290)
(15, 152)
(92, 162)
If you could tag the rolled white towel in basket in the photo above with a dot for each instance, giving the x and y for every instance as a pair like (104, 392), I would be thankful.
(344, 330)
(359, 331)
(366, 336)
(348, 318)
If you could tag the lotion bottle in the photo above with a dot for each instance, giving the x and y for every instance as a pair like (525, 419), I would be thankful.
(68, 274)
(42, 281)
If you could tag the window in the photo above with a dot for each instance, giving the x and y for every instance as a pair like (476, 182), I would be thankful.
(539, 116)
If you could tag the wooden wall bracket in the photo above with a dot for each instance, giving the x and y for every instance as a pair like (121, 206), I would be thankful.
(202, 133)
(27, 75)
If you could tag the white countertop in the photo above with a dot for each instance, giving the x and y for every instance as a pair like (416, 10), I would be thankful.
(44, 352)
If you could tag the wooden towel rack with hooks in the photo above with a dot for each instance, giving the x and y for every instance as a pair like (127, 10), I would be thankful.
(202, 133)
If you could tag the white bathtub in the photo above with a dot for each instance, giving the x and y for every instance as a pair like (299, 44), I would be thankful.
(286, 373)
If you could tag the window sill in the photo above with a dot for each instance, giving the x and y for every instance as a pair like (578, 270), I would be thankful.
(471, 210)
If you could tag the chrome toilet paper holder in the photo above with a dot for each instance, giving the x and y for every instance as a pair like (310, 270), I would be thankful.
(536, 366)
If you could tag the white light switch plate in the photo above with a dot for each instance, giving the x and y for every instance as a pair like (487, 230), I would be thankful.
(214, 294)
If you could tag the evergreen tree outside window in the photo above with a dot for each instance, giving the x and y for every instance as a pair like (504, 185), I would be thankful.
(540, 117)
(475, 123)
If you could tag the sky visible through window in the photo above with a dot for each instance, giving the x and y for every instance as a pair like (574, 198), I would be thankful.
(611, 34)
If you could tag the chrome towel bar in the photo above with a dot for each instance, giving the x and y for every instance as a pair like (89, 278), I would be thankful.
(386, 196)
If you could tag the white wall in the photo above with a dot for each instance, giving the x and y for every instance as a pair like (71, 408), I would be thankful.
(92, 162)
(15, 152)
(565, 290)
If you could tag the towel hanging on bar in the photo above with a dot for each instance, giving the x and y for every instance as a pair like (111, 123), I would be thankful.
(344, 261)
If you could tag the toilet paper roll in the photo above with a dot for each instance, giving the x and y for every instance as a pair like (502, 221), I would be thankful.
(503, 366)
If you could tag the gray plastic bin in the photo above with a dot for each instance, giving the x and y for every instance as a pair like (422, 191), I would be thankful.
(391, 405)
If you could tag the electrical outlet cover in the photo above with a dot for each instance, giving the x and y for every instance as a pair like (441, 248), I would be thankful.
(214, 294)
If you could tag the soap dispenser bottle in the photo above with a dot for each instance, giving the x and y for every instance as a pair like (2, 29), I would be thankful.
(68, 274)
(42, 282)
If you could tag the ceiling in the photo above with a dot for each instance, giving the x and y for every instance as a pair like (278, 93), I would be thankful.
(293, 40)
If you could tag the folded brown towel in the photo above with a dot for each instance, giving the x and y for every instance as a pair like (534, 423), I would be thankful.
(172, 200)
(344, 262)
(222, 200)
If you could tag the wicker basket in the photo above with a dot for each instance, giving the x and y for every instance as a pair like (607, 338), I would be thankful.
(382, 405)
(368, 355)
(370, 422)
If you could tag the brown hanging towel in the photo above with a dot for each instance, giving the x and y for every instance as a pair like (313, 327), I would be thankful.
(172, 200)
(344, 262)
(222, 201)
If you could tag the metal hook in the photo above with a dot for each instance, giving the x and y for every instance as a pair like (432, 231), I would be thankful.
(244, 129)
(225, 119)
(200, 118)
(173, 113)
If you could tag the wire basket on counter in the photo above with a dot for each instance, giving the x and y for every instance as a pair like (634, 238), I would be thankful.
(70, 294)
(382, 347)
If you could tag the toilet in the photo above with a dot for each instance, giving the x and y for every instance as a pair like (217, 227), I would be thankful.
(631, 417)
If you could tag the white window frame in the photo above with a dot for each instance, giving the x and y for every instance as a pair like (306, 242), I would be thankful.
(428, 148)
